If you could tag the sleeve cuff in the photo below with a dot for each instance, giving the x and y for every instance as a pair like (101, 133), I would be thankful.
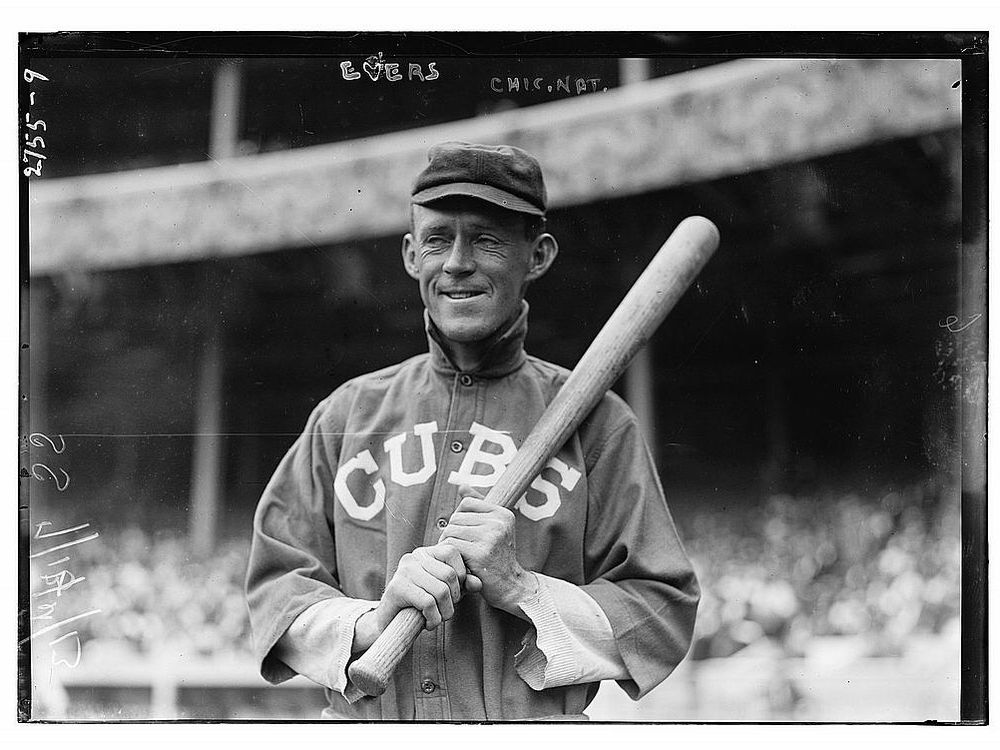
(546, 658)
(342, 653)
(318, 643)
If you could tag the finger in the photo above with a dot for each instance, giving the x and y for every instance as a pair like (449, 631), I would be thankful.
(450, 556)
(420, 599)
(432, 576)
(472, 518)
(445, 593)
(442, 554)
(445, 573)
(476, 505)
(458, 535)
(446, 606)
(465, 490)
(473, 552)
(473, 584)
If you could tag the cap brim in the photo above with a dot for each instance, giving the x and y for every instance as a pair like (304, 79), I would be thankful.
(482, 192)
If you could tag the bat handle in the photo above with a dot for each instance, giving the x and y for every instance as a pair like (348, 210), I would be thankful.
(372, 671)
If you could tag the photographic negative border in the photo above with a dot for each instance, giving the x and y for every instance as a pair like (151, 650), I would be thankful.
(968, 47)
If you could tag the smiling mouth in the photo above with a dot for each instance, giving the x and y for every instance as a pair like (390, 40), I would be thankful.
(461, 295)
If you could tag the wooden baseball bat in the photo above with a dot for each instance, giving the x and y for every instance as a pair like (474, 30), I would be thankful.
(645, 306)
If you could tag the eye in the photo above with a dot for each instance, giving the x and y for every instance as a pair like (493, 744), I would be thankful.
(488, 242)
(435, 242)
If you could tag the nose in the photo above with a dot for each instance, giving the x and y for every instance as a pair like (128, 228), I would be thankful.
(460, 260)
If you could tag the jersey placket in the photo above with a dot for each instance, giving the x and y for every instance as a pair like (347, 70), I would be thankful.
(430, 682)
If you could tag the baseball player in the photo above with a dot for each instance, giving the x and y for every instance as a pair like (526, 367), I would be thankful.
(378, 505)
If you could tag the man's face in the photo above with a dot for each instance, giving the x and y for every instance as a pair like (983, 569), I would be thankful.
(473, 262)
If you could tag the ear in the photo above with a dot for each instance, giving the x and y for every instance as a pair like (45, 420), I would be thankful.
(543, 252)
(410, 256)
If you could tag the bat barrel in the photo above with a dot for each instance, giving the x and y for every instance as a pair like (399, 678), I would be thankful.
(651, 298)
(647, 303)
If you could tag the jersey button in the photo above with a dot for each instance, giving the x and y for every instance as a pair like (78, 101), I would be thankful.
(427, 686)
(465, 380)
(456, 446)
(442, 522)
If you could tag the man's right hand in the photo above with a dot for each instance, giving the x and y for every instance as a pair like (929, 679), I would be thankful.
(429, 579)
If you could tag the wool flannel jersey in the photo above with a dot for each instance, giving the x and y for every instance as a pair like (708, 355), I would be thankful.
(375, 474)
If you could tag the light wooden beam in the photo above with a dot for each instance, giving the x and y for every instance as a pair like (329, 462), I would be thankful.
(640, 391)
(720, 120)
(208, 469)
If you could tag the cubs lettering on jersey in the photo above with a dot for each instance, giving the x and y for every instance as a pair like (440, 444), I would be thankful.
(480, 468)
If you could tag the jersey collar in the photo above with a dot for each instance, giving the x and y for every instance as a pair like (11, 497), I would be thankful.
(504, 357)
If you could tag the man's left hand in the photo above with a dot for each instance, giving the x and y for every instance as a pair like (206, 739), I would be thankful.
(483, 533)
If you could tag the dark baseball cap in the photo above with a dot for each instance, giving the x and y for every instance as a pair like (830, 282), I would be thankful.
(506, 176)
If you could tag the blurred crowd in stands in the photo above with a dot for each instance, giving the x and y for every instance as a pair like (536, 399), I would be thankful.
(788, 570)
(801, 567)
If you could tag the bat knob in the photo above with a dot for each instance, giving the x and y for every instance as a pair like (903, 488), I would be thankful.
(368, 677)
(373, 670)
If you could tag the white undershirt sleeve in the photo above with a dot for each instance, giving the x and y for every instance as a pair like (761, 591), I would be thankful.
(318, 643)
(572, 641)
